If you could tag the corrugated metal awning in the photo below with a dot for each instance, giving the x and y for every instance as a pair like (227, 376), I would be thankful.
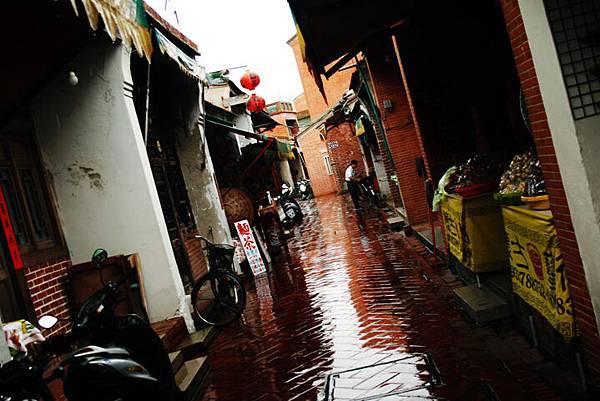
(186, 63)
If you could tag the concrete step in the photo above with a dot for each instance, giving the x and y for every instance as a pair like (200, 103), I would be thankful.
(177, 360)
(171, 331)
(189, 378)
(197, 342)
(396, 222)
(481, 304)
(500, 283)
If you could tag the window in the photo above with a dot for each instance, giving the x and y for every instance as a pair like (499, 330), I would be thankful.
(575, 26)
(327, 162)
(26, 196)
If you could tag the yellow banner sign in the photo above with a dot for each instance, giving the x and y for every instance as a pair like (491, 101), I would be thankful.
(538, 269)
(474, 232)
(452, 215)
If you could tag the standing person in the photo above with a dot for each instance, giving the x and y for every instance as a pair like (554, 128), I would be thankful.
(351, 179)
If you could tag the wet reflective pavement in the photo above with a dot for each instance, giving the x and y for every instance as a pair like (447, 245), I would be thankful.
(352, 294)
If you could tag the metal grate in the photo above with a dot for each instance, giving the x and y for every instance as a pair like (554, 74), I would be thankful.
(575, 26)
(407, 378)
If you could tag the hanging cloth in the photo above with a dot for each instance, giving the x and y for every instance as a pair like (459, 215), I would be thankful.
(124, 19)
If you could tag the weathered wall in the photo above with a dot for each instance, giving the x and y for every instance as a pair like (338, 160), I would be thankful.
(93, 148)
(200, 180)
(567, 167)
(286, 173)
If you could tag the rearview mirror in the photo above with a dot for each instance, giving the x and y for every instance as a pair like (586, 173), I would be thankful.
(99, 257)
(47, 322)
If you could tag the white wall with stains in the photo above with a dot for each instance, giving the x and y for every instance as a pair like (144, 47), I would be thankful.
(93, 148)
(200, 180)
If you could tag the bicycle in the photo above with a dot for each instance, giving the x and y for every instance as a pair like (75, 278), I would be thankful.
(219, 296)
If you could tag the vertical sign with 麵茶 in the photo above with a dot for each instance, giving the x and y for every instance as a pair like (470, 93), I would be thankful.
(250, 247)
(9, 234)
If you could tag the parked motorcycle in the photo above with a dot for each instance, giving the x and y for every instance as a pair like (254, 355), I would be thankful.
(127, 361)
(304, 189)
(291, 213)
(90, 373)
(367, 191)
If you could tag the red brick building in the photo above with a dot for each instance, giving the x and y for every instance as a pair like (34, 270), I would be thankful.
(334, 88)
(327, 148)
(318, 162)
(400, 130)
(537, 108)
(472, 74)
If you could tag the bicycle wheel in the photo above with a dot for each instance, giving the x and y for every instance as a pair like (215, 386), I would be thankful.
(219, 298)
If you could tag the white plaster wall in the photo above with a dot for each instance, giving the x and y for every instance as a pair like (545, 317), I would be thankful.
(201, 184)
(286, 173)
(216, 93)
(4, 351)
(577, 145)
(93, 149)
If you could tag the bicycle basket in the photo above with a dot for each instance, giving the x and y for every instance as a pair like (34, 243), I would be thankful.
(222, 255)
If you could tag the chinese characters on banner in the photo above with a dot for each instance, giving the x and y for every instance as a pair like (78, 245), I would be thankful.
(474, 232)
(537, 267)
(9, 234)
(452, 216)
(250, 247)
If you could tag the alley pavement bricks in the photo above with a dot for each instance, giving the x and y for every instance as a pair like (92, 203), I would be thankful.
(352, 294)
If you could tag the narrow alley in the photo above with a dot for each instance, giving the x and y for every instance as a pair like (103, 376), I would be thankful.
(353, 294)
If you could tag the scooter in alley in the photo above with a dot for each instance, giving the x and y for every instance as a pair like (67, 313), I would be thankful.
(290, 212)
(108, 357)
(304, 189)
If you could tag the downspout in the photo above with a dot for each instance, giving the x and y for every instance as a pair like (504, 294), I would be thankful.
(147, 111)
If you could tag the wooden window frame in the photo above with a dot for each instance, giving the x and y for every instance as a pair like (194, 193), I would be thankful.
(36, 251)
(328, 165)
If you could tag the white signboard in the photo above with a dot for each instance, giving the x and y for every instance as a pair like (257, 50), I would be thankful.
(250, 247)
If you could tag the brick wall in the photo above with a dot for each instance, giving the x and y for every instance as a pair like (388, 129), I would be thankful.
(312, 145)
(279, 131)
(343, 147)
(334, 87)
(583, 310)
(300, 103)
(402, 135)
(193, 246)
(46, 284)
(313, 101)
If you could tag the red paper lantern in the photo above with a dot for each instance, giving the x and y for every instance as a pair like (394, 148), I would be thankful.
(256, 103)
(250, 80)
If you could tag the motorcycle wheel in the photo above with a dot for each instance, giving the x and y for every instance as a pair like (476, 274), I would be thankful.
(219, 298)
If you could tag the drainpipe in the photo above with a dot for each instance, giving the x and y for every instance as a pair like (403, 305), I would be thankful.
(146, 124)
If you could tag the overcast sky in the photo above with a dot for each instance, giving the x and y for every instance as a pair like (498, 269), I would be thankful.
(231, 33)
